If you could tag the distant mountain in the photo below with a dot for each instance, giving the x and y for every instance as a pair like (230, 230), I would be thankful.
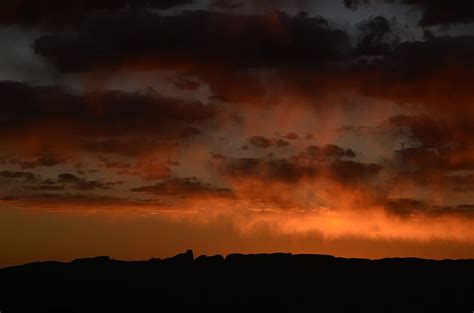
(240, 283)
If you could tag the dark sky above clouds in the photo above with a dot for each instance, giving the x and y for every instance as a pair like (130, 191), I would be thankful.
(342, 127)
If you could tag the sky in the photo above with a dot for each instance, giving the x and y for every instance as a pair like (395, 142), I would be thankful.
(142, 128)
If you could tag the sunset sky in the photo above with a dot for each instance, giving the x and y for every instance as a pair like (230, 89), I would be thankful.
(142, 128)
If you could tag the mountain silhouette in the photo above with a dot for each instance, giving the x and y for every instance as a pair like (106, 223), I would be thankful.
(278, 282)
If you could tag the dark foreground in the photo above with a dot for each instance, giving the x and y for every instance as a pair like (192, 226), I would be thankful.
(240, 283)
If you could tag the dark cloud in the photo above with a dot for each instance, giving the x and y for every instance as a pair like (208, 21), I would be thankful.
(71, 201)
(281, 143)
(82, 184)
(107, 112)
(431, 77)
(86, 185)
(409, 72)
(412, 208)
(185, 83)
(71, 181)
(218, 156)
(405, 207)
(291, 136)
(105, 122)
(351, 171)
(235, 85)
(41, 161)
(308, 164)
(68, 178)
(281, 170)
(423, 129)
(443, 159)
(355, 4)
(129, 146)
(27, 163)
(434, 12)
(261, 142)
(264, 143)
(26, 176)
(238, 62)
(295, 169)
(116, 164)
(46, 188)
(301, 5)
(57, 12)
(147, 169)
(426, 57)
(437, 12)
(196, 39)
(227, 4)
(434, 179)
(462, 183)
(322, 154)
(433, 73)
(48, 181)
(376, 36)
(184, 188)
(441, 142)
(264, 5)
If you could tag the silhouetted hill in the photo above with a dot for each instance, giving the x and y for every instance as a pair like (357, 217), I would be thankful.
(240, 283)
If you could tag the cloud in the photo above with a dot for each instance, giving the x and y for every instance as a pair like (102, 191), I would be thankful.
(105, 122)
(270, 170)
(227, 4)
(92, 185)
(443, 159)
(82, 203)
(313, 163)
(440, 142)
(218, 39)
(436, 132)
(291, 136)
(38, 162)
(437, 12)
(26, 176)
(184, 188)
(68, 178)
(351, 171)
(261, 142)
(303, 183)
(146, 168)
(82, 184)
(434, 12)
(356, 4)
(218, 156)
(45, 188)
(328, 152)
(290, 63)
(184, 83)
(281, 143)
(411, 208)
(58, 13)
(377, 36)
(431, 73)
(265, 143)
(128, 145)
(462, 183)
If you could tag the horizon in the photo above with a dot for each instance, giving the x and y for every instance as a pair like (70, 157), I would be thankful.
(224, 258)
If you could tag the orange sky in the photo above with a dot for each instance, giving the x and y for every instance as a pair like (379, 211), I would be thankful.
(143, 132)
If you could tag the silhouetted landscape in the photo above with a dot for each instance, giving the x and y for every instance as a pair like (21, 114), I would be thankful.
(240, 283)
